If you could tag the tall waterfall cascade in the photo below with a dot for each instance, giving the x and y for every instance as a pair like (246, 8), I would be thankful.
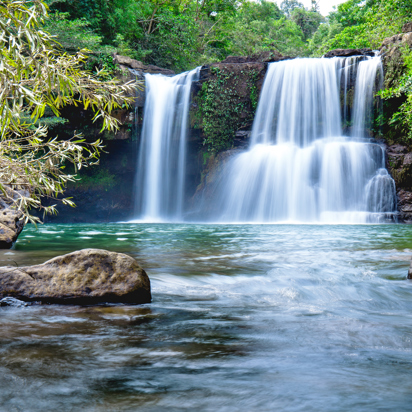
(310, 158)
(161, 169)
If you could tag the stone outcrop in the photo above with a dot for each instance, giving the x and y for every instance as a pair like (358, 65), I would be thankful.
(11, 225)
(224, 110)
(88, 276)
(127, 63)
(239, 71)
(399, 156)
(11, 220)
(397, 39)
(407, 28)
(400, 167)
(391, 51)
(349, 53)
(410, 272)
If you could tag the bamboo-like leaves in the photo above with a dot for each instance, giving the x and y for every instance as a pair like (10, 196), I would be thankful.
(35, 75)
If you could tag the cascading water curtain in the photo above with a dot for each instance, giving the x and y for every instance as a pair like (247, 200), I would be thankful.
(300, 166)
(161, 166)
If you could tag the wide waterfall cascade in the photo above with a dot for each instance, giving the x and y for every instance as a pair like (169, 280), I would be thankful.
(300, 167)
(161, 169)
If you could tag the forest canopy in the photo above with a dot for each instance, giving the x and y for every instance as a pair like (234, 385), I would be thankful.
(182, 34)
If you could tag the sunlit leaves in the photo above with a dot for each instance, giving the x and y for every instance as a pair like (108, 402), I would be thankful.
(35, 75)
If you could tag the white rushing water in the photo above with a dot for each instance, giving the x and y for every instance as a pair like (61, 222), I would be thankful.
(300, 166)
(160, 181)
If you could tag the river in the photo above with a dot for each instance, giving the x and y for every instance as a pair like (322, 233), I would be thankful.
(243, 318)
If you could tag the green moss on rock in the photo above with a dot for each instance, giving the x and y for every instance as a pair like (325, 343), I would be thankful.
(227, 103)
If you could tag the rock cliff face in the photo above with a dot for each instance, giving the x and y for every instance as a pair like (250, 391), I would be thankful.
(400, 167)
(391, 51)
(226, 98)
(399, 154)
(105, 192)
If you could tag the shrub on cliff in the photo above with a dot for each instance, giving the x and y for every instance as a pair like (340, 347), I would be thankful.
(400, 120)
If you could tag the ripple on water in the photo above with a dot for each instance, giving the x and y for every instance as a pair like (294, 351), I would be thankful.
(254, 317)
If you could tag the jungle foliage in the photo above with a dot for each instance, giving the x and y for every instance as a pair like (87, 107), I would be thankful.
(359, 24)
(37, 77)
(182, 34)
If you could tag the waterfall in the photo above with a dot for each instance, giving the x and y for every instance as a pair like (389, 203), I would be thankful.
(161, 168)
(300, 167)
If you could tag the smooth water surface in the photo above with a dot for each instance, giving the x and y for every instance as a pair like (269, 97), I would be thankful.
(244, 318)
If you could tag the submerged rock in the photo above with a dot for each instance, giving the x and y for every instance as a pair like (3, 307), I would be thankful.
(88, 276)
(410, 272)
(12, 302)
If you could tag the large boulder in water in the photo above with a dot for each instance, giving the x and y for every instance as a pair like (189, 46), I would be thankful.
(88, 276)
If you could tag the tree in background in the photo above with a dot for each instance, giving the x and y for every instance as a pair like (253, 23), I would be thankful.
(181, 34)
(360, 23)
(307, 20)
(36, 76)
(287, 6)
(260, 26)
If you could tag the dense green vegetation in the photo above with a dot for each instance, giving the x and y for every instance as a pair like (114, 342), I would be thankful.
(183, 34)
(360, 23)
(227, 103)
(37, 80)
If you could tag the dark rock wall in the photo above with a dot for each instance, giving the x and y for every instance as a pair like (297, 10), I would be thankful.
(399, 150)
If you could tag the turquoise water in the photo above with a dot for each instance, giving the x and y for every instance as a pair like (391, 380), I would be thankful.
(244, 318)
